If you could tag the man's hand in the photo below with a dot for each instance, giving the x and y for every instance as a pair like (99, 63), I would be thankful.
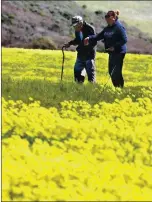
(86, 41)
(110, 49)
(66, 45)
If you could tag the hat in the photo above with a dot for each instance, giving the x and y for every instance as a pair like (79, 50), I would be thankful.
(76, 19)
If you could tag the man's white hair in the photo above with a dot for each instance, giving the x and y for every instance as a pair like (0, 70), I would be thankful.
(76, 19)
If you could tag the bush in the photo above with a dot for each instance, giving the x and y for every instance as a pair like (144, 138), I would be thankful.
(84, 6)
(7, 18)
(67, 15)
(150, 40)
(43, 43)
(98, 12)
(140, 35)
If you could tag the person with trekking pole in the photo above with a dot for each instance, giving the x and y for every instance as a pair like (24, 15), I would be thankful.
(85, 62)
(115, 39)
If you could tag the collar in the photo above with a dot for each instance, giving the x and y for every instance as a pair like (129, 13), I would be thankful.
(113, 24)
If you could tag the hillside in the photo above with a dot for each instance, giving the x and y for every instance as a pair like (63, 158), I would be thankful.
(40, 24)
(135, 13)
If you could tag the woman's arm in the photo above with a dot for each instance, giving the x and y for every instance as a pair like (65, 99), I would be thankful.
(97, 37)
(93, 38)
(123, 37)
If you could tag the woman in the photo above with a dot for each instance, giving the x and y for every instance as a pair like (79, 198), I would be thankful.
(115, 39)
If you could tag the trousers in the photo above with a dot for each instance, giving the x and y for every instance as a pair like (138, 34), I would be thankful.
(83, 67)
(115, 68)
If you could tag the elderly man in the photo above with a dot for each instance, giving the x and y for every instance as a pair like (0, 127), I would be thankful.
(85, 62)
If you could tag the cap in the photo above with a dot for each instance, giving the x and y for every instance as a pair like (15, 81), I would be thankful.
(76, 20)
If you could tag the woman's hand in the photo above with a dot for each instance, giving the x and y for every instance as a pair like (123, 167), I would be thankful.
(110, 49)
(86, 41)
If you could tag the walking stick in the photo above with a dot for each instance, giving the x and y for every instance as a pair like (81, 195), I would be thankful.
(108, 79)
(62, 62)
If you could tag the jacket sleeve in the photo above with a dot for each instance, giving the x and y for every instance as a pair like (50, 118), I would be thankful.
(74, 42)
(77, 39)
(123, 37)
(97, 37)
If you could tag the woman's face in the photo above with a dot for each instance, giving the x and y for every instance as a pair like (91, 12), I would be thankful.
(109, 19)
(78, 27)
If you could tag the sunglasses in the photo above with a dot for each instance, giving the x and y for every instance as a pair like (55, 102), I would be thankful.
(107, 16)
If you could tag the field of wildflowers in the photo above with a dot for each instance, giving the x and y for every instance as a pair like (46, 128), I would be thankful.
(64, 141)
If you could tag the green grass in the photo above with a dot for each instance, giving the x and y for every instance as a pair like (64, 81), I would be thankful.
(36, 74)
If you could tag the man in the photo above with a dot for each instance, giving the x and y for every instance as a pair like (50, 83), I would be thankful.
(85, 62)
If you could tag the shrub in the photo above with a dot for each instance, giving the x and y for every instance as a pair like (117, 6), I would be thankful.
(7, 18)
(67, 15)
(150, 40)
(43, 43)
(99, 12)
(84, 6)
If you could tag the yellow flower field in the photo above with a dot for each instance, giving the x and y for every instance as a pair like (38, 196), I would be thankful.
(70, 142)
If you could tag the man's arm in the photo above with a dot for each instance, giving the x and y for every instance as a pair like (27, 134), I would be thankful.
(77, 39)
(74, 42)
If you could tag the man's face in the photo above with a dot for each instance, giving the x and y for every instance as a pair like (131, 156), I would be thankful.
(78, 27)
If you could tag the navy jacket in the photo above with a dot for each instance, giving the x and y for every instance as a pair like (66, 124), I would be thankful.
(85, 52)
(113, 36)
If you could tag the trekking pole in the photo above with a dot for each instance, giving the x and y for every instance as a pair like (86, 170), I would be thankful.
(108, 79)
(62, 62)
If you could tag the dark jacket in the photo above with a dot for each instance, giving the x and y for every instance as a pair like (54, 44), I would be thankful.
(113, 36)
(85, 52)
